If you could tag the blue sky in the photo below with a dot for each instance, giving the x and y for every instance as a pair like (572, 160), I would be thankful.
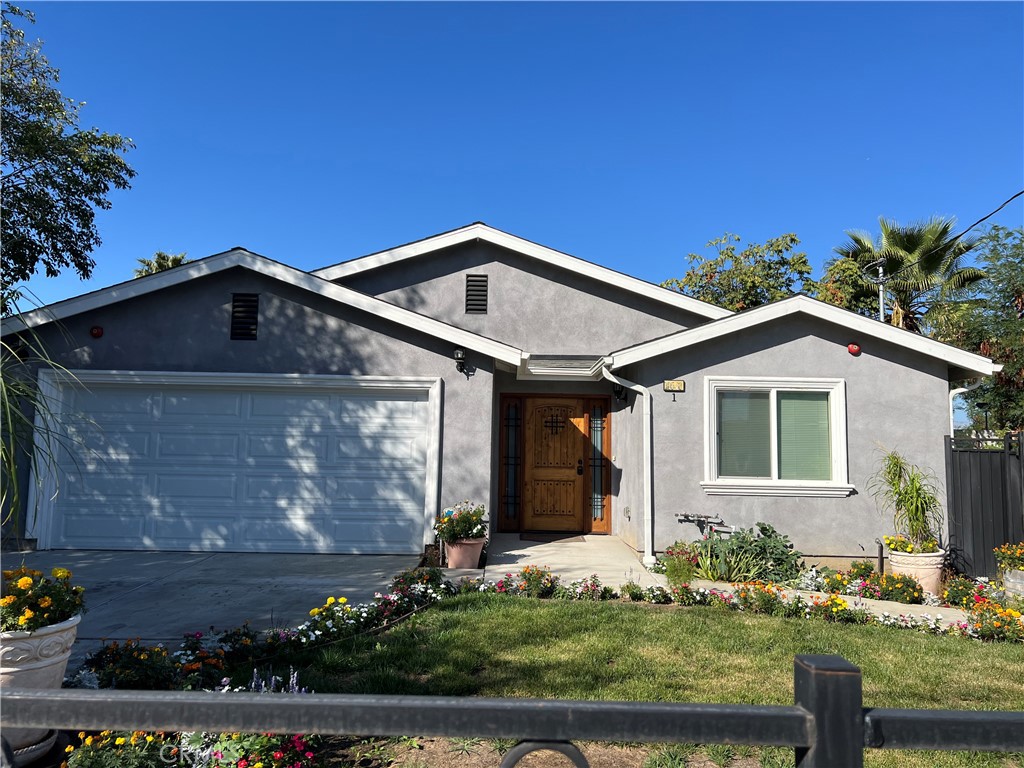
(626, 134)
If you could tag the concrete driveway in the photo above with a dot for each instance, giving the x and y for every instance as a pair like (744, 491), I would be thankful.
(159, 596)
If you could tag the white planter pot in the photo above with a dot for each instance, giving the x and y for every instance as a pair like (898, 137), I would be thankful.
(926, 568)
(1013, 582)
(35, 659)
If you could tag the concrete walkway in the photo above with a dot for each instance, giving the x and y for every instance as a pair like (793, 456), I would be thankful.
(570, 558)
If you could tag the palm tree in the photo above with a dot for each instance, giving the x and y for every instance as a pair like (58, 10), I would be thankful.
(159, 263)
(922, 267)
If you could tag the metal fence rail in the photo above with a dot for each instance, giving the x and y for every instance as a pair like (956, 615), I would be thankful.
(827, 726)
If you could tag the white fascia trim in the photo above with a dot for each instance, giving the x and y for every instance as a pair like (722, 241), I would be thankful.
(594, 373)
(714, 485)
(217, 379)
(273, 269)
(519, 245)
(808, 306)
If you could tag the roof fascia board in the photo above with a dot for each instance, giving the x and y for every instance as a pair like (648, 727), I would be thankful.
(273, 269)
(534, 250)
(820, 310)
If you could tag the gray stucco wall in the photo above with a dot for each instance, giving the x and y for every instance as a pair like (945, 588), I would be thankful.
(894, 397)
(531, 305)
(186, 328)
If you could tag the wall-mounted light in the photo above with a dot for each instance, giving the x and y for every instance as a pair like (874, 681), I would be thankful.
(619, 391)
(460, 359)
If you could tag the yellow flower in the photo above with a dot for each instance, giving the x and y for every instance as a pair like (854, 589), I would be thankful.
(45, 602)
(88, 741)
(314, 611)
(69, 748)
(331, 601)
(24, 582)
(149, 738)
(61, 573)
(7, 600)
(343, 600)
(119, 740)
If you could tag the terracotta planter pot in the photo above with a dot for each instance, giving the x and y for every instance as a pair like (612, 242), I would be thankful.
(926, 568)
(1013, 582)
(464, 553)
(35, 659)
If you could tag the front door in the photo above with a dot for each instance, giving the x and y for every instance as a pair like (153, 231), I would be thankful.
(554, 464)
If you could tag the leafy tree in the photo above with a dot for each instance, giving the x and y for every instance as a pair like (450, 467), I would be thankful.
(161, 260)
(759, 274)
(923, 267)
(991, 322)
(54, 174)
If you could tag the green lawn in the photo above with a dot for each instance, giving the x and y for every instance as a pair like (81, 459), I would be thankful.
(491, 645)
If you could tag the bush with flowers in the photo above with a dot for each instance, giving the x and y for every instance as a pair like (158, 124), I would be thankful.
(1010, 557)
(862, 581)
(905, 544)
(588, 588)
(122, 749)
(31, 600)
(133, 666)
(464, 520)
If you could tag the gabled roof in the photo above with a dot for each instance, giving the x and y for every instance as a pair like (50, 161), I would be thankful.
(956, 358)
(480, 231)
(240, 257)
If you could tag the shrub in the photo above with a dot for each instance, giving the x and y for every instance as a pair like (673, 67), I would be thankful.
(633, 591)
(897, 587)
(589, 588)
(1010, 556)
(133, 666)
(761, 554)
(861, 569)
(990, 620)
(680, 562)
(960, 592)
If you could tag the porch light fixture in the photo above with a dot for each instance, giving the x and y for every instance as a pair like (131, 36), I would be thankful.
(619, 391)
(460, 359)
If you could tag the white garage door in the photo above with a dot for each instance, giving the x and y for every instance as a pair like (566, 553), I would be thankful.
(268, 468)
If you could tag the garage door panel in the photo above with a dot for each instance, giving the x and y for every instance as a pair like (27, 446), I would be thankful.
(201, 403)
(100, 402)
(201, 468)
(183, 485)
(285, 446)
(275, 405)
(100, 526)
(286, 488)
(206, 446)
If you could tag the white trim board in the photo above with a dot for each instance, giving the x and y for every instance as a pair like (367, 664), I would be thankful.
(239, 257)
(480, 231)
(857, 324)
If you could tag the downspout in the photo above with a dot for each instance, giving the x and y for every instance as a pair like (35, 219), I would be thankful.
(959, 391)
(645, 394)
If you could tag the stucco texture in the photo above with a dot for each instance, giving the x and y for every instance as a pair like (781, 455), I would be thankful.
(895, 399)
(531, 305)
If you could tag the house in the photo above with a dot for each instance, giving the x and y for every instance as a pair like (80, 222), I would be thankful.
(235, 403)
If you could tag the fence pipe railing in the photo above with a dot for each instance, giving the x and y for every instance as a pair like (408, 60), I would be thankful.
(827, 726)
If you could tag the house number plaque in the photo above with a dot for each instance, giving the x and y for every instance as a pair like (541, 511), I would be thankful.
(675, 385)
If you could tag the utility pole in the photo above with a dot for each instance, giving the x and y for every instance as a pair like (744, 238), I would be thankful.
(880, 263)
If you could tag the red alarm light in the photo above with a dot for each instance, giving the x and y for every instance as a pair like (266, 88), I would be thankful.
(853, 349)
(96, 331)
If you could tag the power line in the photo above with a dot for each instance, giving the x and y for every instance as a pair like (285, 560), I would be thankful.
(955, 239)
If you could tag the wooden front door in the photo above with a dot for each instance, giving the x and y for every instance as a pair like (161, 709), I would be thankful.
(554, 464)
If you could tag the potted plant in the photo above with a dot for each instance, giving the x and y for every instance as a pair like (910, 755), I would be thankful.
(39, 618)
(1010, 558)
(462, 529)
(912, 496)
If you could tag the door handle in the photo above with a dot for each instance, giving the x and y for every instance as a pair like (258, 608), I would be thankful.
(579, 467)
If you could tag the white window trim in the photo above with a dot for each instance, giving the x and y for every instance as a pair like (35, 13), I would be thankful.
(838, 486)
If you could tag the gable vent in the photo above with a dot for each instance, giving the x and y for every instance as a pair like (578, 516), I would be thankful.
(245, 314)
(476, 294)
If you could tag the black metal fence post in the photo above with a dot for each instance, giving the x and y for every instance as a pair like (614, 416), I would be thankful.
(830, 688)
